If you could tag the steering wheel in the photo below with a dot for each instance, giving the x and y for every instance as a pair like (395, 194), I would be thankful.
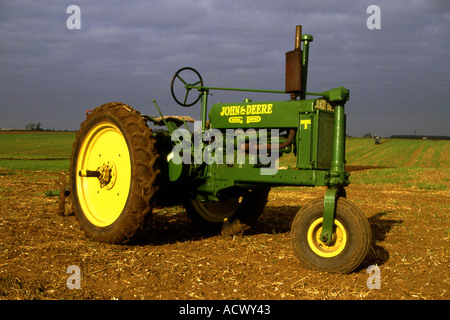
(190, 75)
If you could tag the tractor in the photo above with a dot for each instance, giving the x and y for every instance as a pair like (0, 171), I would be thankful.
(222, 170)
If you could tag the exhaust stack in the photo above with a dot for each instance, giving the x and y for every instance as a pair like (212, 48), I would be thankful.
(297, 65)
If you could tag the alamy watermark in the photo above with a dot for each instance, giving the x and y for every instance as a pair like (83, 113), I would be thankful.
(374, 20)
(374, 280)
(74, 281)
(219, 149)
(74, 20)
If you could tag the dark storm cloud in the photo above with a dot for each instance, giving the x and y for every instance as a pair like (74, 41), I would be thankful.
(398, 76)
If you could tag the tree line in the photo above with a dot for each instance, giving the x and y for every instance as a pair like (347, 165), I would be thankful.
(38, 127)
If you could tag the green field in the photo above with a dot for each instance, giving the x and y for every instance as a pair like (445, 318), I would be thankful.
(398, 153)
(422, 164)
(410, 162)
(392, 153)
(47, 151)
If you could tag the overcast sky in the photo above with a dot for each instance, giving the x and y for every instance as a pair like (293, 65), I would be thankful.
(398, 76)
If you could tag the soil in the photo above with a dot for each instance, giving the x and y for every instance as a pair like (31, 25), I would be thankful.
(173, 260)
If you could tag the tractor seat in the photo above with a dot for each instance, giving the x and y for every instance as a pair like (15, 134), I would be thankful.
(178, 120)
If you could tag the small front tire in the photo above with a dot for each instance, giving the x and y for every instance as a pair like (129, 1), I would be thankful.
(350, 241)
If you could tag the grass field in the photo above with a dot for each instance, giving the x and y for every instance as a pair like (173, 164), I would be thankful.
(398, 153)
(399, 161)
(47, 151)
(406, 162)
(392, 153)
(403, 162)
(402, 159)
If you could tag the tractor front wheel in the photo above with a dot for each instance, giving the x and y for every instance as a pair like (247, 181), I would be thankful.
(113, 173)
(350, 242)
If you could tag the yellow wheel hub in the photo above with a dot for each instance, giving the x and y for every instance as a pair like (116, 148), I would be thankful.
(337, 244)
(104, 178)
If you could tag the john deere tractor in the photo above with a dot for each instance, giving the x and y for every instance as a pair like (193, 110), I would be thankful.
(222, 167)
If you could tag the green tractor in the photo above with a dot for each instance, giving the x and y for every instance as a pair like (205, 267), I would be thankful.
(223, 169)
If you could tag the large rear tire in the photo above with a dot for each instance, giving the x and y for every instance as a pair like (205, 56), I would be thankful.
(113, 201)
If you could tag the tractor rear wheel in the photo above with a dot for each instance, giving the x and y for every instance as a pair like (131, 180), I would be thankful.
(244, 210)
(113, 173)
(350, 241)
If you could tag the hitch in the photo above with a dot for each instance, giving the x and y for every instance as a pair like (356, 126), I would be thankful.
(63, 192)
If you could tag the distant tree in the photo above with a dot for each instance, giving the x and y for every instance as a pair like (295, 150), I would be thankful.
(367, 135)
(34, 127)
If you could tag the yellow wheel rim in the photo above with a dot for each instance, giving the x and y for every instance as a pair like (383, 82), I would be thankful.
(337, 244)
(104, 147)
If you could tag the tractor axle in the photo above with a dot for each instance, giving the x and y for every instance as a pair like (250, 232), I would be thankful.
(89, 173)
(106, 175)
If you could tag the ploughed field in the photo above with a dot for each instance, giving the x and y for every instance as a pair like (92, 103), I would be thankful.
(403, 186)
